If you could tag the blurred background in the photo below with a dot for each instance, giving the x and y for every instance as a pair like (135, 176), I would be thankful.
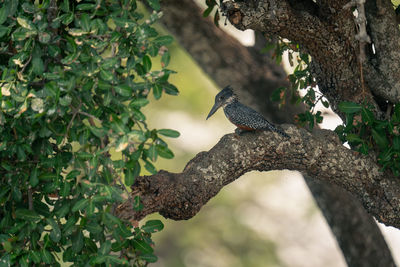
(262, 219)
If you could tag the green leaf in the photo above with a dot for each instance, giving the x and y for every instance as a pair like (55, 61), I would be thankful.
(364, 149)
(380, 139)
(68, 18)
(33, 180)
(367, 116)
(207, 12)
(325, 103)
(44, 37)
(27, 215)
(3, 14)
(170, 89)
(139, 102)
(106, 75)
(349, 107)
(46, 256)
(396, 143)
(132, 174)
(277, 94)
(55, 233)
(152, 153)
(353, 138)
(163, 40)
(85, 22)
(24, 261)
(148, 257)
(81, 204)
(129, 177)
(25, 23)
(122, 144)
(63, 210)
(157, 90)
(94, 227)
(99, 132)
(7, 246)
(153, 226)
(146, 64)
(142, 246)
(105, 248)
(154, 4)
(47, 177)
(109, 63)
(3, 30)
(169, 133)
(113, 260)
(150, 168)
(65, 189)
(37, 65)
(77, 241)
(72, 174)
(123, 90)
(35, 256)
(85, 6)
(165, 59)
(5, 260)
(165, 152)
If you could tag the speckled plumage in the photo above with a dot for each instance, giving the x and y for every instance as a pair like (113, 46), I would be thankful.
(245, 118)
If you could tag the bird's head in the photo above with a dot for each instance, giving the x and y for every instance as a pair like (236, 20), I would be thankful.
(223, 98)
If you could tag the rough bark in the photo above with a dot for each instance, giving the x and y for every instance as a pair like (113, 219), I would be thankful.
(383, 66)
(181, 195)
(202, 44)
(327, 32)
(202, 39)
(226, 61)
(355, 230)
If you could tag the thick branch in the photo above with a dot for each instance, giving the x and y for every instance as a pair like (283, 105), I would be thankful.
(346, 223)
(355, 230)
(180, 196)
(329, 40)
(383, 69)
(227, 61)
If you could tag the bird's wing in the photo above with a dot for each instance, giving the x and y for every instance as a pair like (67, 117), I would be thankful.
(249, 117)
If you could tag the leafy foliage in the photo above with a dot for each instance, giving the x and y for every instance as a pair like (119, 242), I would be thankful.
(211, 4)
(365, 133)
(74, 78)
(361, 130)
(300, 79)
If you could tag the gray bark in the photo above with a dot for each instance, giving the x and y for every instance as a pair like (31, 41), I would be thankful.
(255, 77)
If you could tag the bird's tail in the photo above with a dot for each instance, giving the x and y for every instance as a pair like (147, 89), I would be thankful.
(279, 131)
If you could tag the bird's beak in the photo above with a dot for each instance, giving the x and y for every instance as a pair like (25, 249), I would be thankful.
(213, 110)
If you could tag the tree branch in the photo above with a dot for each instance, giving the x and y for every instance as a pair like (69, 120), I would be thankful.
(383, 67)
(227, 61)
(180, 196)
(330, 41)
(355, 230)
(254, 88)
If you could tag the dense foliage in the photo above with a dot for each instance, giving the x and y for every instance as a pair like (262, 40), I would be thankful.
(74, 77)
(361, 130)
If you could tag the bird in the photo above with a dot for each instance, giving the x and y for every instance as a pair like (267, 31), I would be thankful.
(243, 117)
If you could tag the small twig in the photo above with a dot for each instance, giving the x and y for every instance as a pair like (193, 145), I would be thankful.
(361, 36)
(76, 111)
(26, 64)
(389, 111)
(30, 199)
(90, 117)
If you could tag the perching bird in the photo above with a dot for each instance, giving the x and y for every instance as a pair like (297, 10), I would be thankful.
(245, 118)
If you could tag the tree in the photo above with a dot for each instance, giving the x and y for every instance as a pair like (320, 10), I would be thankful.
(69, 78)
(74, 77)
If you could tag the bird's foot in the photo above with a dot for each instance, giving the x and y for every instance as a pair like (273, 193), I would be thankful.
(239, 131)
